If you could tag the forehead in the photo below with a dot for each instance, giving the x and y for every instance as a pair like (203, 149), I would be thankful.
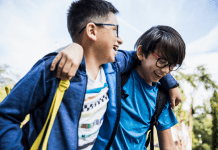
(111, 18)
(159, 52)
(167, 55)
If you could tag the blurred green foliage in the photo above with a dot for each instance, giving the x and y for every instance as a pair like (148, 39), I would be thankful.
(7, 80)
(202, 125)
(214, 113)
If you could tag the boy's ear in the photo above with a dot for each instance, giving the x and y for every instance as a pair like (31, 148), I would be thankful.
(139, 52)
(91, 31)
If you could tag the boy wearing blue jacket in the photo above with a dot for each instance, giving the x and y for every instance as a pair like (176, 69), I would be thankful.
(90, 110)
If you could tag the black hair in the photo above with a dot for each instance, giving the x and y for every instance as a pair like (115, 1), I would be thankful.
(81, 11)
(166, 40)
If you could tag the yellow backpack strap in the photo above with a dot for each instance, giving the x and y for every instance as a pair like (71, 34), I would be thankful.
(63, 85)
(7, 89)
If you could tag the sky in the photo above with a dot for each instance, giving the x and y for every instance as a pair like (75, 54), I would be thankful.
(29, 29)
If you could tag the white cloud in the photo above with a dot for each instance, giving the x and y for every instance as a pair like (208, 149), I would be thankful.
(207, 43)
(203, 51)
(129, 25)
(30, 30)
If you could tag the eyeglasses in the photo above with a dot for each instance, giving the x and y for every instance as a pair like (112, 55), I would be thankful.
(161, 63)
(102, 24)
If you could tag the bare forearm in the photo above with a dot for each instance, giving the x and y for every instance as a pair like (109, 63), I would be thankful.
(166, 140)
(168, 148)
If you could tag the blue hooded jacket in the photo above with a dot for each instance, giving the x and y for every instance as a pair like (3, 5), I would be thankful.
(34, 93)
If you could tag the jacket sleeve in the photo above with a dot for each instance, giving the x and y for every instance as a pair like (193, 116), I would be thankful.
(23, 99)
(127, 60)
(168, 82)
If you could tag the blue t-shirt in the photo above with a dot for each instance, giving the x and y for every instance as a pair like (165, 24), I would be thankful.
(137, 110)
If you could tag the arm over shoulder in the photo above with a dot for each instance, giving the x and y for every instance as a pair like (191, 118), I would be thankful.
(126, 60)
(168, 82)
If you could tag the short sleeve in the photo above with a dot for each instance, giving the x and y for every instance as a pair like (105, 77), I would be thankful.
(167, 119)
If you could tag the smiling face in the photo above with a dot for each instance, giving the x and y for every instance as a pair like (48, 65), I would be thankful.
(148, 69)
(107, 42)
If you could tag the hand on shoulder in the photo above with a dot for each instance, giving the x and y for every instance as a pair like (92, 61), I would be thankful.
(69, 61)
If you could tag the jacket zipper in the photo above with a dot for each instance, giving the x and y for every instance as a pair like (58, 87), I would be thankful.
(81, 112)
(118, 99)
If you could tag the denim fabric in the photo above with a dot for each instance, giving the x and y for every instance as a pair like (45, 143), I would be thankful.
(34, 93)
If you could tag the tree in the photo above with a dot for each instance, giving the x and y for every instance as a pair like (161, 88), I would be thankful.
(202, 128)
(214, 113)
(200, 123)
(7, 80)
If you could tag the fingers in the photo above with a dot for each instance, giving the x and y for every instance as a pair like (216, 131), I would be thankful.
(175, 97)
(69, 60)
(55, 61)
(60, 67)
(172, 103)
(72, 71)
(175, 102)
(69, 70)
(65, 70)
(178, 100)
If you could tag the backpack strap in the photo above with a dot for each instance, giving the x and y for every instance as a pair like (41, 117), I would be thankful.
(63, 86)
(124, 79)
(161, 100)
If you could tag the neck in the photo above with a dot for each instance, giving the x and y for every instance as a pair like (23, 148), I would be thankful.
(92, 63)
(139, 69)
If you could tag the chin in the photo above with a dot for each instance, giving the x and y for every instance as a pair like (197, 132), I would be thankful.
(112, 58)
(109, 60)
(156, 80)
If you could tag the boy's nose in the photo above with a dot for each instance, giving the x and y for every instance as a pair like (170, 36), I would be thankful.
(119, 40)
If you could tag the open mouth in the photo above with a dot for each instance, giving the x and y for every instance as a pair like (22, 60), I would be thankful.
(115, 48)
(157, 75)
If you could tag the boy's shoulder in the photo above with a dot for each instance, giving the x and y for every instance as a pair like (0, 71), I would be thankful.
(49, 57)
(42, 67)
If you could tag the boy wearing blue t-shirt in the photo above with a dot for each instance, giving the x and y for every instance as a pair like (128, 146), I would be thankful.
(160, 50)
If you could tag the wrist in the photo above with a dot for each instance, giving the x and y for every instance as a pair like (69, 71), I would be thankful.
(176, 85)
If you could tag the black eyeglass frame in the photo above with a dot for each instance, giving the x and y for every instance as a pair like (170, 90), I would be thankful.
(101, 24)
(168, 63)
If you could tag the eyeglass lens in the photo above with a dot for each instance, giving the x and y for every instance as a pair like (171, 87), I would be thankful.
(163, 63)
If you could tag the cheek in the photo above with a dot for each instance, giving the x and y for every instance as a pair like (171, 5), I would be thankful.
(145, 69)
(147, 66)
